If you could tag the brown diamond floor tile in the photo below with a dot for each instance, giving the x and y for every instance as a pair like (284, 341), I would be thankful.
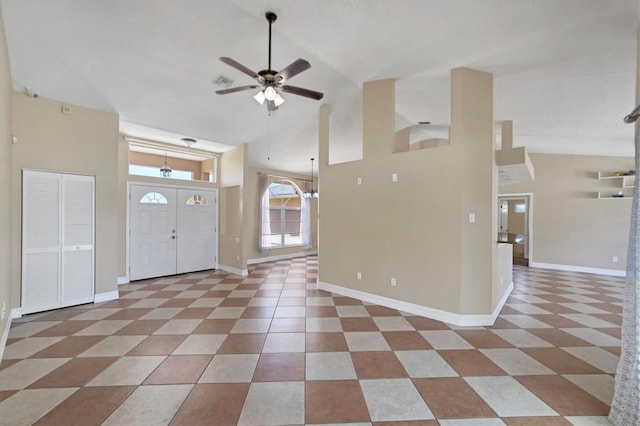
(561, 361)
(157, 345)
(358, 324)
(421, 323)
(563, 396)
(215, 326)
(8, 363)
(536, 421)
(259, 312)
(471, 362)
(335, 401)
(280, 367)
(74, 373)
(235, 302)
(243, 343)
(66, 328)
(141, 327)
(502, 323)
(177, 303)
(193, 313)
(405, 340)
(326, 342)
(87, 406)
(409, 423)
(557, 321)
(129, 314)
(119, 303)
(377, 365)
(613, 349)
(212, 404)
(558, 338)
(6, 394)
(68, 347)
(614, 332)
(63, 314)
(382, 311)
(452, 398)
(321, 312)
(346, 301)
(483, 339)
(179, 369)
(612, 318)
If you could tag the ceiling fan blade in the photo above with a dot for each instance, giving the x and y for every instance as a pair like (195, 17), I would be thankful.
(271, 106)
(236, 89)
(240, 67)
(294, 68)
(303, 92)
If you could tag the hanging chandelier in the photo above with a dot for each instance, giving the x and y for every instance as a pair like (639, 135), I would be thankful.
(311, 193)
(165, 169)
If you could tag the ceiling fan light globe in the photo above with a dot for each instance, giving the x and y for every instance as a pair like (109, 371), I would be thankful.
(270, 93)
(259, 97)
(279, 100)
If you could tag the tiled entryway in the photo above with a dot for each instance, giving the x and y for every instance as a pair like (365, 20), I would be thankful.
(270, 349)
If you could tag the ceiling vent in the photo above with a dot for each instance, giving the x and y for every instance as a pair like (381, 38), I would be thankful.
(222, 82)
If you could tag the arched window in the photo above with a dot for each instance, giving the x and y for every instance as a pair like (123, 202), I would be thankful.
(197, 200)
(284, 216)
(153, 198)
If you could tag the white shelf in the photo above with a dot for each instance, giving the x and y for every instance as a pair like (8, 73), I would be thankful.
(626, 186)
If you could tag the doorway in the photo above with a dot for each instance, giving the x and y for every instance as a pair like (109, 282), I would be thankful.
(514, 225)
(171, 231)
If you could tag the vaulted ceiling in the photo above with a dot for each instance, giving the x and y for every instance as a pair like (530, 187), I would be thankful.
(564, 70)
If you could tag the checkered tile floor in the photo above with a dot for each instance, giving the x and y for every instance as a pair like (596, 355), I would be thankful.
(214, 348)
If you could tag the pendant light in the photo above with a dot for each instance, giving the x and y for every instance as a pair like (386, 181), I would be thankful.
(165, 169)
(311, 193)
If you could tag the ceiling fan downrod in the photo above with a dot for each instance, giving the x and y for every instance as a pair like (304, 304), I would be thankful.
(271, 17)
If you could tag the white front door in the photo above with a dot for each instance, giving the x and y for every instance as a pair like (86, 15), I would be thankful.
(196, 230)
(152, 232)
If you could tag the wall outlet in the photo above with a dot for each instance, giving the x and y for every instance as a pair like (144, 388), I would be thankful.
(237, 240)
(394, 177)
(615, 259)
(66, 109)
(359, 181)
(472, 218)
(393, 282)
(4, 309)
(359, 275)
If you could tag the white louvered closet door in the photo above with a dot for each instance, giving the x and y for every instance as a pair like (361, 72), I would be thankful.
(40, 241)
(57, 240)
(77, 240)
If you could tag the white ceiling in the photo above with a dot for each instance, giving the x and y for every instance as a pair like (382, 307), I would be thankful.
(564, 69)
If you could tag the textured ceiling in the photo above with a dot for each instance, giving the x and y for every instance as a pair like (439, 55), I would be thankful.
(564, 70)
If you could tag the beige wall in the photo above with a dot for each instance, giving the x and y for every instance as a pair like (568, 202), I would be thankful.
(84, 142)
(416, 229)
(233, 169)
(570, 225)
(251, 225)
(6, 298)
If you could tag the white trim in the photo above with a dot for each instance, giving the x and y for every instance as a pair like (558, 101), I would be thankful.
(105, 297)
(502, 301)
(14, 313)
(572, 268)
(528, 195)
(231, 269)
(123, 280)
(281, 257)
(424, 311)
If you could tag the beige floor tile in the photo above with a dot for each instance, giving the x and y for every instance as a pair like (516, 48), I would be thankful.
(129, 370)
(27, 406)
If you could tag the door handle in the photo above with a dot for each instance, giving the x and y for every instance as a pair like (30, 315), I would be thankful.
(173, 237)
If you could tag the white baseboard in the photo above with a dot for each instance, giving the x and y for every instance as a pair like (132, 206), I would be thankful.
(123, 280)
(424, 311)
(572, 268)
(14, 313)
(231, 269)
(502, 301)
(105, 297)
(281, 257)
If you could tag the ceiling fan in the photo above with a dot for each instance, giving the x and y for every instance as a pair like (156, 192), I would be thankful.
(271, 81)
